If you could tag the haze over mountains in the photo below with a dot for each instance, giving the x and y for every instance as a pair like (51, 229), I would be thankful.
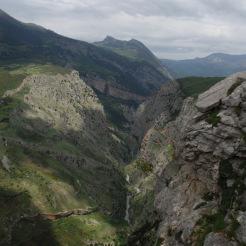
(99, 145)
(28, 42)
(214, 65)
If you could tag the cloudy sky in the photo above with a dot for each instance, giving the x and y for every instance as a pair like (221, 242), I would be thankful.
(176, 29)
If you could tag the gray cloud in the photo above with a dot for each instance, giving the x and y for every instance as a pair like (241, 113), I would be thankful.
(171, 28)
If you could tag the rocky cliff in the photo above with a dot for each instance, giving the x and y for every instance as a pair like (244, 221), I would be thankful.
(194, 169)
(160, 108)
(59, 153)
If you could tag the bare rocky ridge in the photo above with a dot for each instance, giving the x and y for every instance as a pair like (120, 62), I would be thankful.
(187, 183)
(62, 109)
(198, 172)
(158, 109)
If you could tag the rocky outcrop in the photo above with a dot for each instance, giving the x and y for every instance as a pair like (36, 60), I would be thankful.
(6, 163)
(198, 167)
(61, 118)
(218, 239)
(113, 89)
(158, 109)
(212, 97)
(62, 106)
(59, 215)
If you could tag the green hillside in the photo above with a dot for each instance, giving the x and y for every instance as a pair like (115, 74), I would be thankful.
(12, 75)
(29, 43)
(193, 86)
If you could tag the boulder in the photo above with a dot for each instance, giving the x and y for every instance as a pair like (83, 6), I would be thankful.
(6, 163)
(212, 97)
(218, 239)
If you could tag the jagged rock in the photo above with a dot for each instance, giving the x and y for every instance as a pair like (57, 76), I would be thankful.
(218, 239)
(158, 109)
(241, 231)
(208, 153)
(61, 117)
(212, 97)
(62, 102)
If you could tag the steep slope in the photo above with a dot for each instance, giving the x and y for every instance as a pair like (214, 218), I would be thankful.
(187, 186)
(103, 69)
(134, 50)
(193, 86)
(165, 103)
(59, 157)
(214, 65)
(162, 107)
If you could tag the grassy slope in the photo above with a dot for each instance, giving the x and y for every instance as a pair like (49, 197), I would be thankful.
(193, 86)
(11, 76)
(46, 188)
(39, 183)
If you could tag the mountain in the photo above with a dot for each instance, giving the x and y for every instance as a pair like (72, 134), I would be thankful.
(104, 70)
(118, 157)
(132, 49)
(187, 183)
(60, 165)
(214, 65)
(66, 136)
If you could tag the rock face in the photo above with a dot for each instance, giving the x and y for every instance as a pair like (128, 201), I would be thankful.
(61, 117)
(212, 97)
(158, 109)
(218, 239)
(64, 103)
(6, 163)
(198, 168)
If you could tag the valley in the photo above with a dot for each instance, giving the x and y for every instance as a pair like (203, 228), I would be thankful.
(100, 145)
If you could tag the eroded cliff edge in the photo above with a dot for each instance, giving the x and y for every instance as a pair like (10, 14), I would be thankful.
(194, 170)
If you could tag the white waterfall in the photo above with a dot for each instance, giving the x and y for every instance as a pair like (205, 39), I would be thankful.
(127, 178)
(127, 217)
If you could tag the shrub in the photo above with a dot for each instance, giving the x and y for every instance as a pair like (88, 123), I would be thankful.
(170, 152)
(144, 166)
(213, 118)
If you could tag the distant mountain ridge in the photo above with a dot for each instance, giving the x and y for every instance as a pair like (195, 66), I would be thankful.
(214, 65)
(101, 68)
(132, 49)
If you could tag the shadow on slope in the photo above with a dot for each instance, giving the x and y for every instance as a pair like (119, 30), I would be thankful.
(61, 171)
(14, 230)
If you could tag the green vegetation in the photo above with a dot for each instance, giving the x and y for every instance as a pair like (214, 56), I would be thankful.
(230, 194)
(84, 229)
(11, 76)
(193, 86)
(170, 152)
(39, 183)
(209, 196)
(243, 136)
(207, 224)
(213, 118)
(114, 108)
(144, 166)
(229, 202)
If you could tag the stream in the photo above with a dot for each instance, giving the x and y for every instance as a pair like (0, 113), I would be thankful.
(127, 217)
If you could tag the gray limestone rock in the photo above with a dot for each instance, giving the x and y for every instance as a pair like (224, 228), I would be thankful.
(212, 97)
(241, 231)
(218, 239)
(6, 163)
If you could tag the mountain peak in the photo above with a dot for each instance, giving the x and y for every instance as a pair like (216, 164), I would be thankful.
(109, 38)
(4, 15)
(2, 12)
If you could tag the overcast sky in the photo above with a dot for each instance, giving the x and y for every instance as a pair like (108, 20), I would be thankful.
(176, 29)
